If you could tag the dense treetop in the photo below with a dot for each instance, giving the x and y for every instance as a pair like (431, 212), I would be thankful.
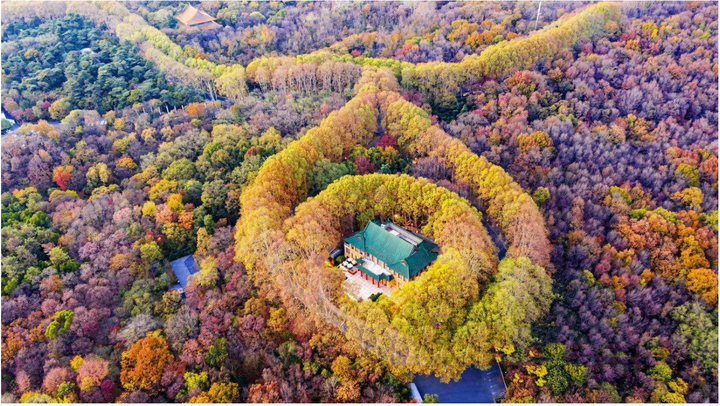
(568, 170)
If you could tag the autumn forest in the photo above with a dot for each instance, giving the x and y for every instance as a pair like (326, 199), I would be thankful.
(181, 183)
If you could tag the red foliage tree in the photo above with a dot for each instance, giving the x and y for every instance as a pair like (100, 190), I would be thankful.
(388, 141)
(62, 176)
(364, 165)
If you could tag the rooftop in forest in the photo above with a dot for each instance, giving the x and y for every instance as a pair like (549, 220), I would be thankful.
(404, 252)
(474, 386)
(195, 18)
(184, 268)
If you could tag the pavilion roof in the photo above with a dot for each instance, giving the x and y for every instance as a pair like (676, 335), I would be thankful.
(193, 17)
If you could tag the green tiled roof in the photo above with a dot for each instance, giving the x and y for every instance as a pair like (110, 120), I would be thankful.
(406, 256)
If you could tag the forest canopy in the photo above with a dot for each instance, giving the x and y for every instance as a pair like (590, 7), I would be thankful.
(562, 156)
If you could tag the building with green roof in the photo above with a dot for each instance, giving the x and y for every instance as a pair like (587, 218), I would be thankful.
(390, 254)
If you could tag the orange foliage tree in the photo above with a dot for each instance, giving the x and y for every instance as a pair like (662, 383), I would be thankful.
(143, 364)
(704, 282)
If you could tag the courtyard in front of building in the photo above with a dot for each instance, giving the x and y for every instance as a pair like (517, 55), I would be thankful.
(360, 288)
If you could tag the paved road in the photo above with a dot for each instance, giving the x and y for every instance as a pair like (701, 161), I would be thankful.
(7, 116)
(496, 239)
